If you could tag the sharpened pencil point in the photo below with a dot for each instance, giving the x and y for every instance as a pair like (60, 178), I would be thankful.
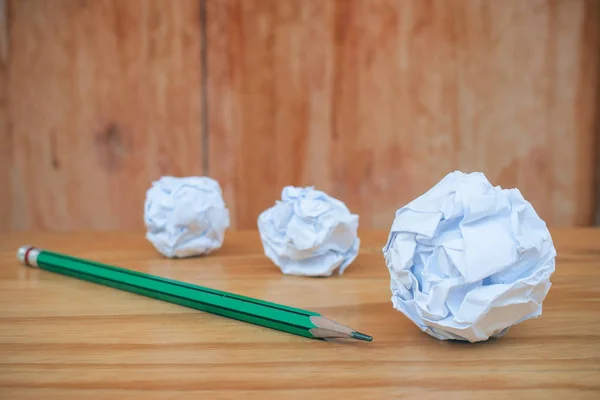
(362, 336)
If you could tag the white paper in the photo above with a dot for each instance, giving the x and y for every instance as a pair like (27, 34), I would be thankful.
(309, 233)
(468, 260)
(186, 216)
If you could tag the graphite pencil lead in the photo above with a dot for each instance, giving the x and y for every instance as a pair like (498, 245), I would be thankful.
(361, 336)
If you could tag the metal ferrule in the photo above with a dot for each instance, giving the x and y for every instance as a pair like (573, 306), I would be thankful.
(28, 255)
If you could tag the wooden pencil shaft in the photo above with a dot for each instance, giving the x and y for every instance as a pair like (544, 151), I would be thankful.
(166, 295)
(182, 284)
(271, 315)
(224, 300)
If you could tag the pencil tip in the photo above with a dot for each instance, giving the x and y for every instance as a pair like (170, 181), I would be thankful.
(362, 336)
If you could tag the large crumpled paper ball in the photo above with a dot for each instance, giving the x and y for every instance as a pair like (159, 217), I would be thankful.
(468, 260)
(186, 216)
(309, 233)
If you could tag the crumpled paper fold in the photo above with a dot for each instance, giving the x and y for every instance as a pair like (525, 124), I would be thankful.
(186, 216)
(468, 260)
(309, 233)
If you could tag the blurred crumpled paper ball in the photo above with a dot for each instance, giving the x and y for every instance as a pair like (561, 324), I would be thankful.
(309, 233)
(186, 216)
(468, 260)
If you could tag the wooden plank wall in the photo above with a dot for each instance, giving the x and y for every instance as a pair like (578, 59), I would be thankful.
(373, 101)
(103, 98)
(5, 132)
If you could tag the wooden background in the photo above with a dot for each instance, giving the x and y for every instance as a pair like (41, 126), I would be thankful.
(373, 101)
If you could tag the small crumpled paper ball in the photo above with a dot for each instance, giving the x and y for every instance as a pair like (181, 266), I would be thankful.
(309, 233)
(468, 260)
(186, 216)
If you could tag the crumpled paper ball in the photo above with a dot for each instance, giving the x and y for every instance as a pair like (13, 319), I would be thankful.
(468, 260)
(186, 216)
(309, 233)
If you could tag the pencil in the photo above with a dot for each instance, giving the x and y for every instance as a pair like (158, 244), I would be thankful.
(271, 315)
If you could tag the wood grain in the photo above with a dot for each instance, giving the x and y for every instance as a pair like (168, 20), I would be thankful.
(591, 31)
(375, 101)
(5, 131)
(61, 338)
(104, 98)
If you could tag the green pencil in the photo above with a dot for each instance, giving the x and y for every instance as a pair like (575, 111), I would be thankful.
(276, 316)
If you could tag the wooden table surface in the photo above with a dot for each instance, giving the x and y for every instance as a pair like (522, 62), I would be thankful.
(61, 338)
